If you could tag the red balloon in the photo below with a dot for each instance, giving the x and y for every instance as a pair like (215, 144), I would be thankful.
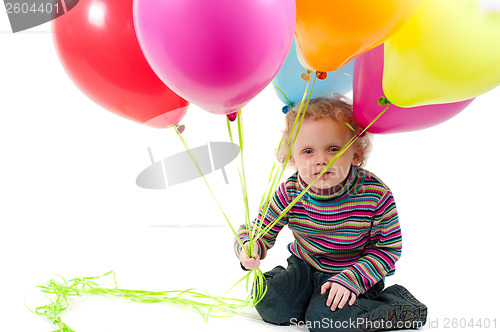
(98, 48)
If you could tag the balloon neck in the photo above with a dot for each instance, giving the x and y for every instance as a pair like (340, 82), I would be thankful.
(179, 129)
(321, 75)
(286, 109)
(360, 133)
(232, 116)
(382, 101)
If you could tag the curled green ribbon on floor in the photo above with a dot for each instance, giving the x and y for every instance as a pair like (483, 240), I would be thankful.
(206, 305)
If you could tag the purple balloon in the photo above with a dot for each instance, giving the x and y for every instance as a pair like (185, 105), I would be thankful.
(217, 54)
(367, 89)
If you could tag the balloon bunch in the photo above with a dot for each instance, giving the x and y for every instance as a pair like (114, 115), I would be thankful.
(140, 59)
(429, 58)
(431, 68)
(144, 60)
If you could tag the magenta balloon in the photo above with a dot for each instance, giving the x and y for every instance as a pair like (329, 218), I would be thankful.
(217, 54)
(367, 89)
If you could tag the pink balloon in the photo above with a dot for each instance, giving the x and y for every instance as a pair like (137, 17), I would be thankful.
(367, 89)
(217, 54)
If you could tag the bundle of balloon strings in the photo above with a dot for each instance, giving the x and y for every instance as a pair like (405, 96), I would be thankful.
(60, 289)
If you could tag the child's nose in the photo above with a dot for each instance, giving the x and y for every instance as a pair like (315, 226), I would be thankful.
(322, 159)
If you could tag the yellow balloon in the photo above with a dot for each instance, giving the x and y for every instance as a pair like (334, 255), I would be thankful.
(449, 51)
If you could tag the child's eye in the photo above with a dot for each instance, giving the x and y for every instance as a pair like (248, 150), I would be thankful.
(333, 149)
(307, 151)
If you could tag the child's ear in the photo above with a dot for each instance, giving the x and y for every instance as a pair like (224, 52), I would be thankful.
(359, 152)
(291, 162)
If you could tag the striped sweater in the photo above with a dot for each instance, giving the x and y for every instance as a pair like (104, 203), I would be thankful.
(353, 233)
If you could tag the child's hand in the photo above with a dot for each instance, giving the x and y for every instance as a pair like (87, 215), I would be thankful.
(250, 263)
(339, 295)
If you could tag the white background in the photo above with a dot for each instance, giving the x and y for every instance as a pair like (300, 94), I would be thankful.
(69, 204)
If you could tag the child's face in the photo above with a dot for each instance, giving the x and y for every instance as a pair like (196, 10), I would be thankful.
(317, 143)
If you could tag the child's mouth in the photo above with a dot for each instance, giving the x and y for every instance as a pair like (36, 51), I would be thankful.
(325, 175)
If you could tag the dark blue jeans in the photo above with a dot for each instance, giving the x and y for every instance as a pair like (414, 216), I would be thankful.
(294, 297)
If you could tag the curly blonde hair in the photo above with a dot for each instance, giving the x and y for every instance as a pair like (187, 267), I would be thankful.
(339, 108)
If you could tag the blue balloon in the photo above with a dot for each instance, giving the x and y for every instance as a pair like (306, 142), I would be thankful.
(291, 83)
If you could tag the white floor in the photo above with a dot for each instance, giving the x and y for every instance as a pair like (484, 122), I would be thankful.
(70, 206)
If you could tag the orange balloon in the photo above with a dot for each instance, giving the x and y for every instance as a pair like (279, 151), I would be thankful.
(332, 32)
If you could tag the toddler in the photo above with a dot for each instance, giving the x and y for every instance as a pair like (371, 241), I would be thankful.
(346, 230)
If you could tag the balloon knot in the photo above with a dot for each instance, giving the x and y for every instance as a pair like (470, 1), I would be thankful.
(286, 109)
(361, 133)
(180, 129)
(306, 77)
(382, 101)
(321, 75)
(232, 116)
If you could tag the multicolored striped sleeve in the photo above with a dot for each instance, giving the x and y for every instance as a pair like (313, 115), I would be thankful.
(379, 257)
(278, 203)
